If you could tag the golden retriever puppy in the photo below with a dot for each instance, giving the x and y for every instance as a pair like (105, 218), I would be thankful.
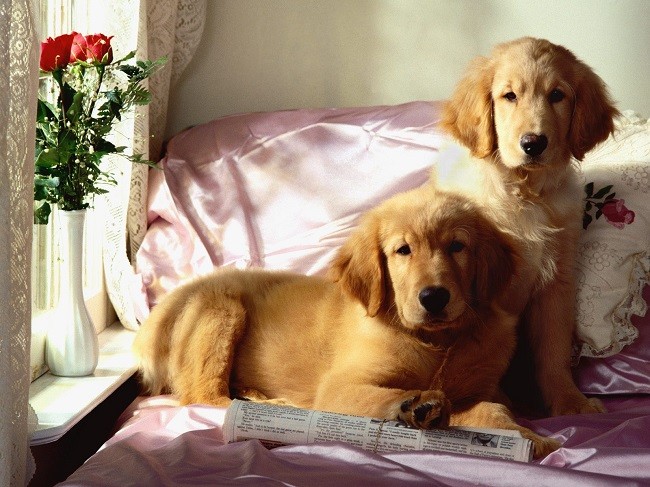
(408, 326)
(527, 113)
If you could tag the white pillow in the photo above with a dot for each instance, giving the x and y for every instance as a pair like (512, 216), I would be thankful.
(614, 254)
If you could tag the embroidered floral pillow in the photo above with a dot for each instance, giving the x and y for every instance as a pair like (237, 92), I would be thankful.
(614, 252)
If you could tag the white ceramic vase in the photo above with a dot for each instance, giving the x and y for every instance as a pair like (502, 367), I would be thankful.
(71, 347)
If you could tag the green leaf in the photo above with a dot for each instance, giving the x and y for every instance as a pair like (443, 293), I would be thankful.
(603, 191)
(589, 189)
(45, 110)
(67, 95)
(46, 182)
(130, 70)
(42, 213)
(114, 105)
(139, 159)
(67, 146)
(586, 220)
(114, 96)
(105, 146)
(76, 108)
(48, 134)
(147, 68)
(39, 193)
(57, 74)
(130, 55)
(115, 110)
(141, 96)
(47, 158)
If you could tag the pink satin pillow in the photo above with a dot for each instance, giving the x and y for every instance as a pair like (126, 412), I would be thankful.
(279, 190)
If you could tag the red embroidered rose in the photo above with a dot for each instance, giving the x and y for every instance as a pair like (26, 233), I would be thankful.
(55, 53)
(93, 48)
(616, 213)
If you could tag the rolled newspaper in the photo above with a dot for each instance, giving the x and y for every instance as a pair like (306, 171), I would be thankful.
(285, 425)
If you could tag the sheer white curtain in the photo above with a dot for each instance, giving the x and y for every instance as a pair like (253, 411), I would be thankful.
(19, 50)
(156, 27)
(170, 28)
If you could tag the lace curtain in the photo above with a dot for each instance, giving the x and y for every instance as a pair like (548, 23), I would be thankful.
(157, 27)
(170, 28)
(18, 87)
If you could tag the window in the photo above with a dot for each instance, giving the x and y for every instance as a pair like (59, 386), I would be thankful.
(59, 17)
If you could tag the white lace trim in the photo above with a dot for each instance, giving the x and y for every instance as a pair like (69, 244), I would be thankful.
(633, 304)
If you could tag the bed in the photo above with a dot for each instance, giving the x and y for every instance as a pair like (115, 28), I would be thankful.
(282, 190)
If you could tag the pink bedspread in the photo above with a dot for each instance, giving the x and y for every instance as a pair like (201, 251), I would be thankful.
(167, 445)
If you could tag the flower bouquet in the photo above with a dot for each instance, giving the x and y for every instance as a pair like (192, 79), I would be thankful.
(92, 92)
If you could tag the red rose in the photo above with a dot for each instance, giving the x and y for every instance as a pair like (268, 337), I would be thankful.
(55, 53)
(93, 48)
(617, 214)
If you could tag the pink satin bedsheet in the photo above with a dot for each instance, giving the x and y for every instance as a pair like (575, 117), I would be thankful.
(182, 446)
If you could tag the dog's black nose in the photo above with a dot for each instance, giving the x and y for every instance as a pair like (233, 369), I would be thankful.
(434, 299)
(533, 144)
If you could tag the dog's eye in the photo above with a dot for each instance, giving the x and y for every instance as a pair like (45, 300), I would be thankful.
(404, 250)
(510, 96)
(556, 96)
(456, 246)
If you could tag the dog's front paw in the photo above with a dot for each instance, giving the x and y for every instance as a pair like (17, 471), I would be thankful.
(426, 410)
(542, 445)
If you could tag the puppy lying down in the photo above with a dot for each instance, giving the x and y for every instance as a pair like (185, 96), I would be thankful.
(407, 327)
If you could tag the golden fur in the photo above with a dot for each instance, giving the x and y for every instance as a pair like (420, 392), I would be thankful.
(406, 328)
(523, 113)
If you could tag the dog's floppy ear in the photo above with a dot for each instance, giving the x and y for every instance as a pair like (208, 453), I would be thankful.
(496, 261)
(359, 266)
(468, 114)
(593, 113)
